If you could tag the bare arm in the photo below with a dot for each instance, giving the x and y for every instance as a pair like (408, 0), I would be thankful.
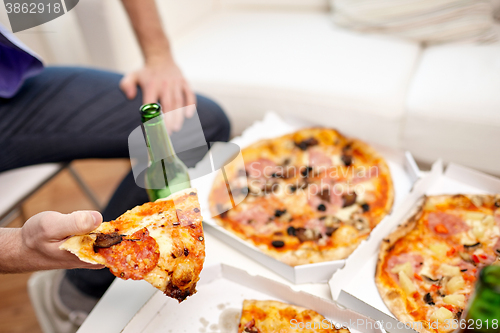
(35, 246)
(160, 79)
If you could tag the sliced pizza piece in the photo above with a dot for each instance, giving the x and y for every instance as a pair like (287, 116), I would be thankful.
(274, 316)
(161, 242)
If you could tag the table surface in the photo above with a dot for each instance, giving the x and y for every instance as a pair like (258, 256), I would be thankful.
(124, 298)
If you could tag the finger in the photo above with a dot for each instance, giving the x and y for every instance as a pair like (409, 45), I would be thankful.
(178, 120)
(168, 118)
(178, 115)
(76, 223)
(150, 92)
(190, 101)
(128, 85)
(177, 96)
(166, 97)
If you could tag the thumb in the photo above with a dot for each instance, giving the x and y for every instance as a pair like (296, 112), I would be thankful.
(129, 85)
(76, 223)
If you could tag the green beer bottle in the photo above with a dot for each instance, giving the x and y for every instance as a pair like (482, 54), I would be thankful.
(483, 313)
(166, 173)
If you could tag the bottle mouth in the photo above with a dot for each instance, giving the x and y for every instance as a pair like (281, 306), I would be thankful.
(490, 276)
(150, 111)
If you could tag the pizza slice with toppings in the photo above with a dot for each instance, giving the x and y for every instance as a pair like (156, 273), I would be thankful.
(161, 242)
(274, 316)
(428, 266)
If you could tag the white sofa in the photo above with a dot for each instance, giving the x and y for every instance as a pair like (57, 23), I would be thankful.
(287, 56)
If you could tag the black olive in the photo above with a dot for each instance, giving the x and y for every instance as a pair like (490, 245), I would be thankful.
(274, 175)
(192, 193)
(349, 199)
(176, 224)
(278, 243)
(290, 231)
(330, 231)
(464, 270)
(196, 210)
(428, 299)
(278, 212)
(322, 208)
(472, 245)
(347, 159)
(186, 252)
(366, 207)
(173, 255)
(304, 144)
(305, 172)
(293, 189)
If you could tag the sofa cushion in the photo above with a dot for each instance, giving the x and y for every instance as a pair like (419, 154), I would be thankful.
(454, 106)
(428, 21)
(300, 64)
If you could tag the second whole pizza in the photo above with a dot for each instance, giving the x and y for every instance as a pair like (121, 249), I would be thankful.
(310, 196)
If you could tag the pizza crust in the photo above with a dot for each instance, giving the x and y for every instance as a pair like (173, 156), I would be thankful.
(393, 297)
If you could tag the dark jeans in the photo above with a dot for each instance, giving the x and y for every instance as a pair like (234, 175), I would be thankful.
(66, 113)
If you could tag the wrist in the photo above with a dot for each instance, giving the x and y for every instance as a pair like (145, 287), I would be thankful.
(12, 250)
(159, 58)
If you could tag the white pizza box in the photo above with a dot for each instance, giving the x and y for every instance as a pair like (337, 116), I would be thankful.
(353, 286)
(216, 307)
(402, 166)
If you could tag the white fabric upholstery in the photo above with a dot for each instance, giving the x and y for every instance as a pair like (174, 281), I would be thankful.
(428, 21)
(17, 184)
(300, 64)
(454, 106)
(274, 4)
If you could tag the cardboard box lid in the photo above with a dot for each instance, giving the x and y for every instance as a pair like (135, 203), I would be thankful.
(217, 305)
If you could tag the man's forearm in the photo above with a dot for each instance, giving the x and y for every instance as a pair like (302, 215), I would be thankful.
(148, 29)
(10, 247)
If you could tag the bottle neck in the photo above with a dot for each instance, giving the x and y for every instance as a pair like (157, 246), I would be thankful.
(158, 141)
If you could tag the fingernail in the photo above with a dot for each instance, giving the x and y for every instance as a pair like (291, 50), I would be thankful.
(97, 218)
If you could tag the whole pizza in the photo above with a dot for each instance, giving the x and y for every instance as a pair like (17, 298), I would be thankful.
(310, 196)
(428, 266)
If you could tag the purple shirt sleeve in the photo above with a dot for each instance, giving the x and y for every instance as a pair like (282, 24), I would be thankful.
(17, 63)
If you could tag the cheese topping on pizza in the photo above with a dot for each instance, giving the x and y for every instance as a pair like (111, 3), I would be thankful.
(312, 195)
(428, 267)
(161, 242)
(274, 316)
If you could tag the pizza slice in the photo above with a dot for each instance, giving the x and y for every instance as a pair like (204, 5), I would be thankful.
(161, 242)
(274, 316)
